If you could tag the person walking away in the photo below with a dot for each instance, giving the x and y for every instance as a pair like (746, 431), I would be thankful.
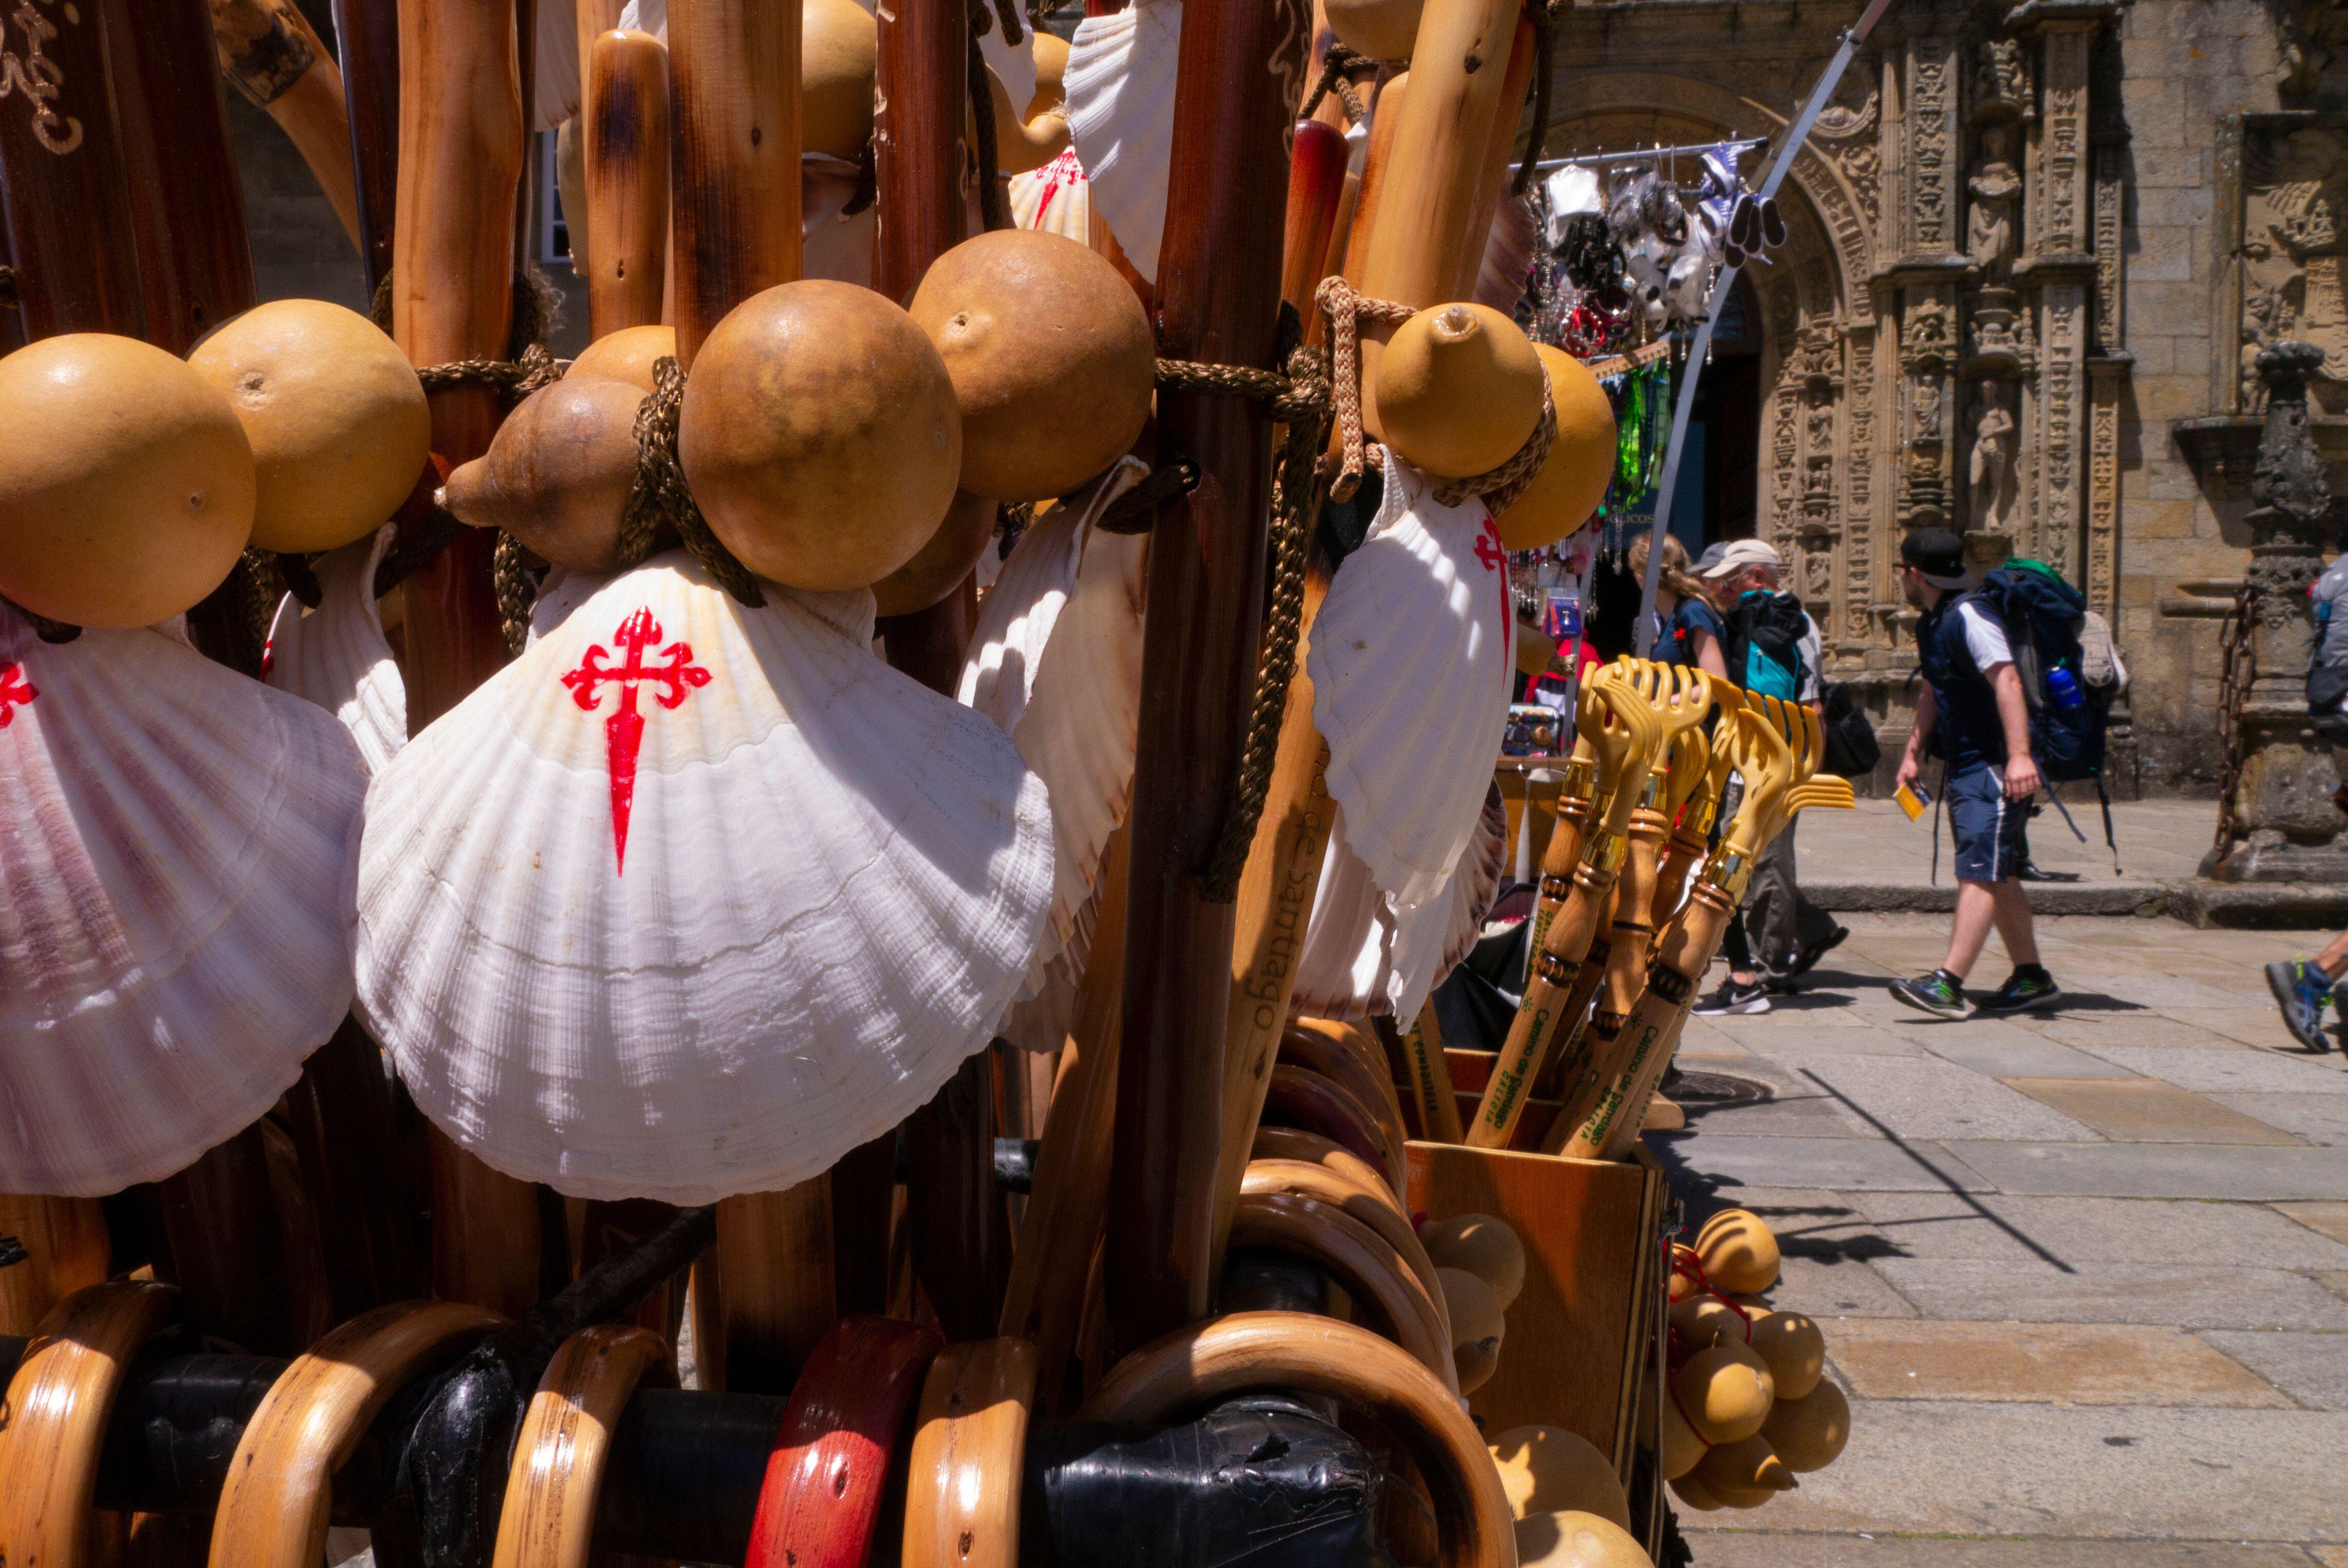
(1689, 630)
(1970, 708)
(1772, 647)
(2302, 985)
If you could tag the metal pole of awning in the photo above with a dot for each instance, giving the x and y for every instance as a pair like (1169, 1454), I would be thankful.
(1742, 145)
(1644, 628)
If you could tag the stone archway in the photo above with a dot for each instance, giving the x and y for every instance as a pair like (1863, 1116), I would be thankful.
(1821, 499)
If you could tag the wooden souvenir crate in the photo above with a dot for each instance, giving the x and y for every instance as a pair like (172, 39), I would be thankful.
(1584, 1337)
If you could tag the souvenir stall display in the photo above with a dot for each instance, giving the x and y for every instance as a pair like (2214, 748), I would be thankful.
(809, 936)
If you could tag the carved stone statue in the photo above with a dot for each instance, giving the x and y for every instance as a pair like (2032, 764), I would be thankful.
(1996, 190)
(1992, 473)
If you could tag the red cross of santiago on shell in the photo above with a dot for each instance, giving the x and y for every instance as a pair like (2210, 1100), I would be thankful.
(676, 675)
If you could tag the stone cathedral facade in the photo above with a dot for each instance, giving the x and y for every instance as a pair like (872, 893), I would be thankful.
(2033, 248)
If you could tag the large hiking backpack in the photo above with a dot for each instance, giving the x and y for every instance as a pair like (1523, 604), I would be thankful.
(1764, 644)
(2043, 616)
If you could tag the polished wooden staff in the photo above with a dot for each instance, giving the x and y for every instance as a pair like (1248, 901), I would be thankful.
(547, 1519)
(733, 83)
(1060, 1234)
(1217, 303)
(626, 122)
(1625, 733)
(268, 49)
(366, 38)
(828, 1476)
(58, 1402)
(274, 1509)
(1434, 185)
(1191, 1369)
(1492, 177)
(1316, 184)
(961, 1233)
(460, 160)
(962, 1489)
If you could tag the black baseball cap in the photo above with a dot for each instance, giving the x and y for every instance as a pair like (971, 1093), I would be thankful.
(1939, 555)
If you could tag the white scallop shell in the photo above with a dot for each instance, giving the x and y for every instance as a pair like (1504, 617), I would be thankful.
(1014, 65)
(1363, 956)
(1055, 198)
(1410, 663)
(818, 895)
(336, 654)
(1056, 661)
(178, 847)
(1120, 85)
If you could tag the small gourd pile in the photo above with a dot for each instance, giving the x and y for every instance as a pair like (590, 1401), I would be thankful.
(1750, 1405)
(1570, 1506)
(1480, 1264)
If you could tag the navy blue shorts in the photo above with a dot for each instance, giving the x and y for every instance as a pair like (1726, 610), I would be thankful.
(1986, 826)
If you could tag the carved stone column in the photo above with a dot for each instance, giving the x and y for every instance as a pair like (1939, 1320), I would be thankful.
(2286, 827)
(1929, 223)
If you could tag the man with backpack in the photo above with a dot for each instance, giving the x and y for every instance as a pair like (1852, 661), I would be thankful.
(1771, 646)
(1973, 710)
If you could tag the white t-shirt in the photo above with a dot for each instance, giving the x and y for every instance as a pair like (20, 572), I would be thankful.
(1984, 638)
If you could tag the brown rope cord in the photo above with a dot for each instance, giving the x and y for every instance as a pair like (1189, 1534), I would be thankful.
(661, 504)
(1543, 14)
(412, 552)
(1343, 309)
(1333, 79)
(991, 212)
(517, 592)
(1501, 486)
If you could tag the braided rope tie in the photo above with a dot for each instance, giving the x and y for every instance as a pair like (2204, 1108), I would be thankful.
(517, 594)
(1346, 309)
(662, 502)
(1333, 79)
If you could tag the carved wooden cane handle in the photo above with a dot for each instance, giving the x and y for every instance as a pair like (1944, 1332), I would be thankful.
(821, 1498)
(1194, 1367)
(1312, 1148)
(58, 1402)
(272, 1511)
(1368, 1202)
(549, 1518)
(961, 1502)
(1370, 1270)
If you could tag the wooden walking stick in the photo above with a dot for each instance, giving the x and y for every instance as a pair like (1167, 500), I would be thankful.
(1191, 1369)
(1353, 1254)
(461, 158)
(1430, 1078)
(734, 84)
(548, 1519)
(280, 1489)
(829, 1472)
(366, 36)
(1316, 184)
(960, 1235)
(195, 266)
(1045, 1300)
(1492, 177)
(269, 51)
(962, 1489)
(65, 1243)
(1625, 733)
(1218, 292)
(626, 121)
(58, 1404)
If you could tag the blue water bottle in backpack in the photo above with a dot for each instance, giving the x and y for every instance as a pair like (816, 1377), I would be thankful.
(2063, 687)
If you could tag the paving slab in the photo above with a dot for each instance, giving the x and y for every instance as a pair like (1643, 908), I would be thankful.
(1699, 1038)
(2320, 1119)
(2067, 1364)
(2159, 992)
(2088, 1030)
(1740, 1544)
(1995, 1226)
(1930, 1098)
(1841, 1164)
(1822, 1226)
(1835, 1290)
(2312, 1368)
(1795, 1046)
(2183, 1295)
(2252, 1023)
(1796, 1106)
(2232, 1072)
(2146, 1110)
(2153, 1169)
(1998, 1049)
(2125, 1473)
(2331, 1219)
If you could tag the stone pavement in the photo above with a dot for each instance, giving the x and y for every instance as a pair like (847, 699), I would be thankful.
(2084, 1274)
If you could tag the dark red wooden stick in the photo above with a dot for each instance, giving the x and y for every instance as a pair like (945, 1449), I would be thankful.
(366, 37)
(1236, 96)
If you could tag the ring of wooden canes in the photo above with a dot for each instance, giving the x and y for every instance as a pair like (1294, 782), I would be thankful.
(1367, 1201)
(1193, 1367)
(58, 1403)
(274, 1509)
(1322, 1105)
(962, 1492)
(820, 1501)
(1312, 1148)
(1336, 1060)
(549, 1516)
(1370, 1270)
